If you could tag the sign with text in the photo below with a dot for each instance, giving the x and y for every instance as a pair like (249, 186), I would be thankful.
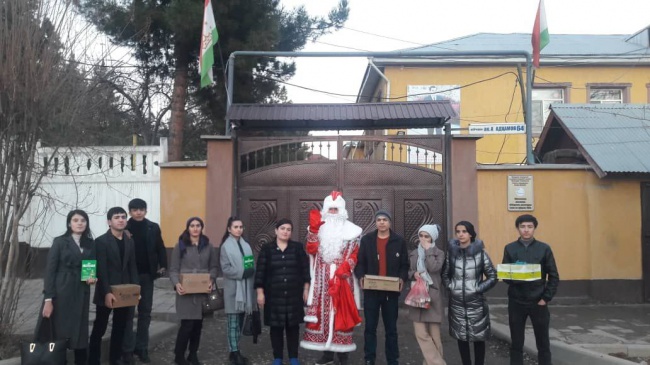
(497, 128)
(520, 193)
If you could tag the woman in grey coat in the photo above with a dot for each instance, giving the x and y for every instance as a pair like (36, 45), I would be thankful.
(426, 263)
(237, 265)
(67, 297)
(192, 254)
(468, 274)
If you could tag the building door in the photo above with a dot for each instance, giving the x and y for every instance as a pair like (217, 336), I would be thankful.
(645, 238)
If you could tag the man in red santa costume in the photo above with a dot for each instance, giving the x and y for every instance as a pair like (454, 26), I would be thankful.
(333, 301)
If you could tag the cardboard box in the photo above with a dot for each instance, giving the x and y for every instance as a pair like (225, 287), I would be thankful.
(126, 295)
(195, 283)
(520, 272)
(374, 282)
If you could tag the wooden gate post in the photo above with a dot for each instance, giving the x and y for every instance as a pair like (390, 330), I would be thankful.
(219, 187)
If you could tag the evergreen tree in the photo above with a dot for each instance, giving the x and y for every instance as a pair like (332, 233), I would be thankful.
(165, 35)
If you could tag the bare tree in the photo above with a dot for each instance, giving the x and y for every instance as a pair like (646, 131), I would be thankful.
(143, 96)
(39, 92)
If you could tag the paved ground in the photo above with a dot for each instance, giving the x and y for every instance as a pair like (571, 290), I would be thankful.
(594, 324)
(214, 348)
(617, 329)
(600, 328)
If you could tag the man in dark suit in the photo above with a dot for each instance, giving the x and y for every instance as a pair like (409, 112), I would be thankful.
(115, 265)
(151, 261)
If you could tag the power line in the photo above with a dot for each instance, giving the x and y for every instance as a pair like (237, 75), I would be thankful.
(398, 39)
(390, 98)
(505, 136)
(383, 36)
(339, 46)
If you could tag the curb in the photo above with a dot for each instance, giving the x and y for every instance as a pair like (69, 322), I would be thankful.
(158, 331)
(563, 354)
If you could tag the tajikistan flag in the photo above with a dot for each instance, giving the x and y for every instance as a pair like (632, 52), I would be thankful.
(209, 38)
(540, 33)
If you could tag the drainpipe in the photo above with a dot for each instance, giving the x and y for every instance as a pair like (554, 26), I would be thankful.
(363, 85)
(381, 74)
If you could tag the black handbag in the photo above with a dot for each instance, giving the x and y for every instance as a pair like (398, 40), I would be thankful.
(214, 300)
(252, 325)
(44, 352)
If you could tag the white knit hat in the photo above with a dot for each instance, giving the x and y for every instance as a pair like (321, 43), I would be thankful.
(432, 229)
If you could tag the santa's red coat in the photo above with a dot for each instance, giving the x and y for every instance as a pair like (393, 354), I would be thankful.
(333, 311)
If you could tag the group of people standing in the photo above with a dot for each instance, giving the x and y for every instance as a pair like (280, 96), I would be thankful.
(294, 283)
(130, 252)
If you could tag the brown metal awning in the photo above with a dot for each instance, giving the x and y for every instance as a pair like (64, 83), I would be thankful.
(393, 115)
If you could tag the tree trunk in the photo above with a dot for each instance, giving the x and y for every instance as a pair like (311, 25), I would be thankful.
(179, 98)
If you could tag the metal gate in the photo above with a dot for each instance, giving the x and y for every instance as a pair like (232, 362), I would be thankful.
(285, 177)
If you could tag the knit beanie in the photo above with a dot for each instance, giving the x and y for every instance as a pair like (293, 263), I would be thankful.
(383, 213)
(432, 229)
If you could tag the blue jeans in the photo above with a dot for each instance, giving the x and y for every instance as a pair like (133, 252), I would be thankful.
(140, 339)
(375, 301)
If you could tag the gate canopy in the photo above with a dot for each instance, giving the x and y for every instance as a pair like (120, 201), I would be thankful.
(393, 115)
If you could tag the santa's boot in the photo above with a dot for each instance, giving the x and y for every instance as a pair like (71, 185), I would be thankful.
(326, 359)
(343, 358)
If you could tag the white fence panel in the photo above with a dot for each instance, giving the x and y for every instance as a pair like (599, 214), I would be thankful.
(93, 179)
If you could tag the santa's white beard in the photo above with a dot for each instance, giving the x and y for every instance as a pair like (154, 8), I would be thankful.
(331, 237)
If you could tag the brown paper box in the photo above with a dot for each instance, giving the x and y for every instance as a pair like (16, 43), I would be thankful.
(195, 283)
(374, 282)
(126, 295)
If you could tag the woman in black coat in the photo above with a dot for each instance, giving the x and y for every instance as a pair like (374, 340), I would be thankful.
(66, 296)
(282, 284)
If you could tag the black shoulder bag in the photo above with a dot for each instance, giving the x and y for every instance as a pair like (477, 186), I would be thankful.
(214, 300)
(252, 325)
(44, 353)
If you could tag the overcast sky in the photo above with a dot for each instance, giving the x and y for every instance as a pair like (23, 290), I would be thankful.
(422, 22)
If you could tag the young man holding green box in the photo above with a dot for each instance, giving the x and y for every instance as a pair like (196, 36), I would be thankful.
(530, 298)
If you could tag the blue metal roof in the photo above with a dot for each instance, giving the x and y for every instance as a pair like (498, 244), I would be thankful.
(615, 136)
(562, 45)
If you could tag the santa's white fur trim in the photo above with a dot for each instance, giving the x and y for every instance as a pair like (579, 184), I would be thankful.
(310, 319)
(308, 345)
(351, 231)
(310, 295)
(357, 291)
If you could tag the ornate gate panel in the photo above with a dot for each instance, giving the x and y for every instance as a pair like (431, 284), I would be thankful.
(288, 176)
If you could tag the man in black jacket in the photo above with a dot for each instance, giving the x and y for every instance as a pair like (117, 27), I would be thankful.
(151, 261)
(115, 265)
(530, 298)
(382, 252)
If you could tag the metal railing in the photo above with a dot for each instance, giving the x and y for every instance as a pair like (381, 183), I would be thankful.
(311, 149)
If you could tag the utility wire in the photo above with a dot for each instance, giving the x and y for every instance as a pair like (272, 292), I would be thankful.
(339, 46)
(505, 136)
(382, 36)
(395, 97)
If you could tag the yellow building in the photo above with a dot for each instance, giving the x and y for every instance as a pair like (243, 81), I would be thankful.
(574, 69)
